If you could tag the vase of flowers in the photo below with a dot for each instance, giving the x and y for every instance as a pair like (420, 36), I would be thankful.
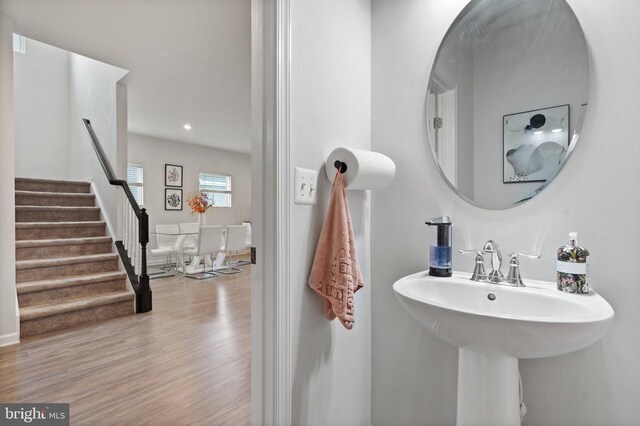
(199, 204)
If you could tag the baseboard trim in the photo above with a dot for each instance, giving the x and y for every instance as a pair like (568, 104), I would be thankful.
(161, 260)
(12, 338)
(9, 339)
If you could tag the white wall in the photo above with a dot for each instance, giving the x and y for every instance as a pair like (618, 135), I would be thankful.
(153, 153)
(330, 107)
(93, 95)
(122, 135)
(414, 374)
(8, 303)
(42, 111)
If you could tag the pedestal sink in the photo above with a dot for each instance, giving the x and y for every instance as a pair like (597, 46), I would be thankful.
(493, 326)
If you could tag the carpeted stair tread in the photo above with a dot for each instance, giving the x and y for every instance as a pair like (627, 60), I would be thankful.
(81, 224)
(62, 242)
(45, 263)
(57, 208)
(52, 185)
(53, 246)
(41, 311)
(30, 214)
(54, 194)
(30, 198)
(59, 229)
(57, 181)
(32, 286)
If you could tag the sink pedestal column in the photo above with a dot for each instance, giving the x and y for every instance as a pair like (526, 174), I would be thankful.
(488, 389)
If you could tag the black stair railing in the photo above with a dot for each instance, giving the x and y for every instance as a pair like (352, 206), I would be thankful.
(132, 250)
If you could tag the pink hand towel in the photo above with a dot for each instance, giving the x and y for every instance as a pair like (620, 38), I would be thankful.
(335, 274)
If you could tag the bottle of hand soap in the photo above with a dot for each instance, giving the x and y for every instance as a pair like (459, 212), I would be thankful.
(572, 267)
(440, 248)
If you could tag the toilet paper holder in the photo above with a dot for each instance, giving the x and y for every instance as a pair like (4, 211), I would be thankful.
(340, 165)
(360, 169)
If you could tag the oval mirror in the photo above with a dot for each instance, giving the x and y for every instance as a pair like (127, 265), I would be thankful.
(506, 99)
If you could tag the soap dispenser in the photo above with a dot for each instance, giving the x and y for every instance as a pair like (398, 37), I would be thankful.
(572, 267)
(440, 246)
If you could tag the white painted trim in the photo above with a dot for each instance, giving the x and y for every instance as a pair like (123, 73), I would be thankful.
(283, 334)
(261, 271)
(9, 339)
(12, 338)
(271, 357)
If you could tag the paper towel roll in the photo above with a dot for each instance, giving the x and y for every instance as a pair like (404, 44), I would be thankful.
(365, 169)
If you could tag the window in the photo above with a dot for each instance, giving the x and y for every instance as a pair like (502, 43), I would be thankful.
(135, 179)
(19, 44)
(217, 188)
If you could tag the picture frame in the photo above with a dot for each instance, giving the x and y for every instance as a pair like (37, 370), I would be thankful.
(535, 142)
(173, 199)
(173, 175)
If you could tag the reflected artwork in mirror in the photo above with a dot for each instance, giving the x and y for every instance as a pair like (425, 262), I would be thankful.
(506, 99)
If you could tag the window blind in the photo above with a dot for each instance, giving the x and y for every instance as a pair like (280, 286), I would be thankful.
(135, 179)
(217, 188)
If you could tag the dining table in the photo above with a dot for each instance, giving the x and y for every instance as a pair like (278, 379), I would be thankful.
(186, 241)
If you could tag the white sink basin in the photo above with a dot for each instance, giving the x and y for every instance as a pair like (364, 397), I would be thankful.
(520, 322)
(525, 322)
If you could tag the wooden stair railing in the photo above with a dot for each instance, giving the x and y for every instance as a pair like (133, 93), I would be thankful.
(132, 250)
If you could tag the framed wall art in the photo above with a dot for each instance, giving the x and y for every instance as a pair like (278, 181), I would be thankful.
(172, 199)
(173, 175)
(534, 144)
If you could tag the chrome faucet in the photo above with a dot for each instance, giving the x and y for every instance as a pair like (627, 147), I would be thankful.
(514, 277)
(495, 276)
(491, 247)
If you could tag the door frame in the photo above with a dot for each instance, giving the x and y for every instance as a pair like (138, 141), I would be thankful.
(270, 206)
(442, 99)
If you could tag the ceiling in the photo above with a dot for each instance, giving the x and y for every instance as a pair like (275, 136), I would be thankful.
(189, 61)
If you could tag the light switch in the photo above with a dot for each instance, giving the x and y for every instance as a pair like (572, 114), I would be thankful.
(306, 185)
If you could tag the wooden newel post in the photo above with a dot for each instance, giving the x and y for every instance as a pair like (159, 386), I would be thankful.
(143, 303)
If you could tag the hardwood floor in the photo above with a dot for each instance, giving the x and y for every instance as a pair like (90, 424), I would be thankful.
(185, 363)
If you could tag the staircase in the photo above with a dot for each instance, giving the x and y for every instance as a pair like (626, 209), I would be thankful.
(66, 271)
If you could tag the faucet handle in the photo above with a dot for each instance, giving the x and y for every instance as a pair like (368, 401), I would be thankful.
(479, 273)
(476, 251)
(514, 277)
(515, 256)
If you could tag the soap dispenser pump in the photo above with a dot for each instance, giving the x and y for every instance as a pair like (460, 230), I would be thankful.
(440, 246)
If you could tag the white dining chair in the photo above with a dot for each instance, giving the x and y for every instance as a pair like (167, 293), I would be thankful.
(188, 238)
(209, 243)
(166, 237)
(190, 229)
(236, 240)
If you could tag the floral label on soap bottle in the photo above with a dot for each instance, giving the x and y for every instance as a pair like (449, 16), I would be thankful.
(573, 270)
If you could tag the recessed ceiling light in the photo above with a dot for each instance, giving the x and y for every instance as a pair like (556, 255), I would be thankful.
(187, 126)
(556, 130)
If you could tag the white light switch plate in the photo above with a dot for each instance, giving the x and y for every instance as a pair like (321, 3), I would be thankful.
(305, 186)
